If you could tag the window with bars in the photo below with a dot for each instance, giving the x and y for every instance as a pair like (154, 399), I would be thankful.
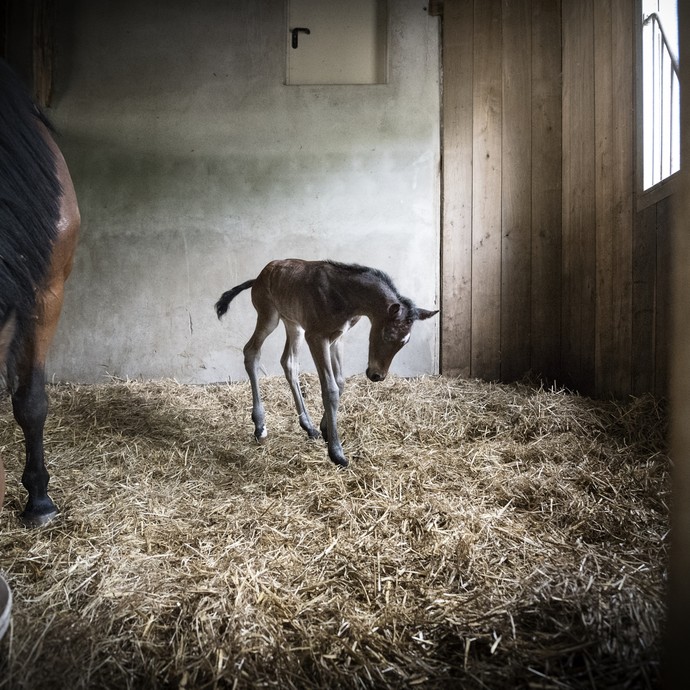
(660, 91)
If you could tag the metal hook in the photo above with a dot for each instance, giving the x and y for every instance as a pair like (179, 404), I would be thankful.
(295, 34)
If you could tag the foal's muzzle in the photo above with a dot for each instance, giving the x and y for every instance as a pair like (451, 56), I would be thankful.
(375, 375)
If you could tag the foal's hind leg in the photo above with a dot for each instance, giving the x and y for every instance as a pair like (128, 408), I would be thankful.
(266, 322)
(290, 363)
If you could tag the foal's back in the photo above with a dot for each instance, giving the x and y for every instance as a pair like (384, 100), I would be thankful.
(315, 294)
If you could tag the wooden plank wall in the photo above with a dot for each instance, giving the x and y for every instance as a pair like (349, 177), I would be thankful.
(26, 42)
(548, 268)
(677, 659)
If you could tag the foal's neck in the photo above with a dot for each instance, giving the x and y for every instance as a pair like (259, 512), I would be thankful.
(368, 295)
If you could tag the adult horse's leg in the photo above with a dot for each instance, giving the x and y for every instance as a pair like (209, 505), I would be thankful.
(266, 323)
(29, 399)
(30, 407)
(330, 393)
(7, 332)
(290, 363)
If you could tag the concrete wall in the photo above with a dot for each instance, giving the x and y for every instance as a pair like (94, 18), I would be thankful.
(195, 165)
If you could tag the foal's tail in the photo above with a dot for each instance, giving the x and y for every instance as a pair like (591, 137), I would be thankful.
(227, 297)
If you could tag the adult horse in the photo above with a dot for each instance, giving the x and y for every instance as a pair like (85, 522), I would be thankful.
(319, 301)
(39, 225)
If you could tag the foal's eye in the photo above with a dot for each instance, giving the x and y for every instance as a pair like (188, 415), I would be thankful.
(391, 336)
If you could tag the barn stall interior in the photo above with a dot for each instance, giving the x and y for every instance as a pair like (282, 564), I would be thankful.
(493, 534)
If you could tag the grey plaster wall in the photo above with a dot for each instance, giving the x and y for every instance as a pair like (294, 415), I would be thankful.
(195, 165)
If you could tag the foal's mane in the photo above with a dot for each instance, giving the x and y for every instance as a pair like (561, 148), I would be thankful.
(381, 276)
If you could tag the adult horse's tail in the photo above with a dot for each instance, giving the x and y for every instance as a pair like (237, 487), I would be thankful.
(227, 297)
(39, 225)
(29, 207)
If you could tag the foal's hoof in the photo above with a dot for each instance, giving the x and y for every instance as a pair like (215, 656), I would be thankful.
(5, 606)
(261, 435)
(39, 514)
(312, 431)
(340, 461)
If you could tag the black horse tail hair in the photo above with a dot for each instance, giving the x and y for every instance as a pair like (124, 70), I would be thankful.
(29, 210)
(227, 297)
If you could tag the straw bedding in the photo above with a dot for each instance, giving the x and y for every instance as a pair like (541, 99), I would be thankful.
(484, 536)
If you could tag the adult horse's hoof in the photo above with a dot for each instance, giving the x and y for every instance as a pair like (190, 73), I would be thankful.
(5, 606)
(38, 515)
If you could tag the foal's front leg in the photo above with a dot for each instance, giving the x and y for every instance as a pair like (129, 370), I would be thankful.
(336, 355)
(330, 394)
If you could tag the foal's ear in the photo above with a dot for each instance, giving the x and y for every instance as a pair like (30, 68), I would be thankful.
(423, 314)
(394, 310)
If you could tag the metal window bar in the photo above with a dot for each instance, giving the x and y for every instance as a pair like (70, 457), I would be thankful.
(662, 116)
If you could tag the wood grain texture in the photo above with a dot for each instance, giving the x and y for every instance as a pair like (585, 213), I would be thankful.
(579, 216)
(603, 177)
(663, 306)
(545, 172)
(456, 259)
(623, 137)
(643, 299)
(486, 192)
(516, 190)
(548, 266)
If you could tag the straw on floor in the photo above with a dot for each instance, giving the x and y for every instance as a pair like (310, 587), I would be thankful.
(484, 536)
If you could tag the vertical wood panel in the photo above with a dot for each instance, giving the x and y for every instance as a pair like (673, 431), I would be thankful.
(456, 270)
(547, 266)
(579, 218)
(623, 77)
(43, 49)
(516, 216)
(677, 668)
(486, 196)
(662, 339)
(643, 297)
(546, 188)
(603, 189)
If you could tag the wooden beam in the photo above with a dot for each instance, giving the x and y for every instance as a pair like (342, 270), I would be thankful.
(43, 49)
(4, 18)
(678, 629)
(435, 8)
(546, 189)
(456, 243)
(579, 197)
(487, 190)
(516, 190)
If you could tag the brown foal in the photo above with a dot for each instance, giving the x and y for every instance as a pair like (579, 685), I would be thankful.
(319, 301)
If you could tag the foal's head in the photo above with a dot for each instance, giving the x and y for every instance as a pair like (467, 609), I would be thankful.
(390, 333)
